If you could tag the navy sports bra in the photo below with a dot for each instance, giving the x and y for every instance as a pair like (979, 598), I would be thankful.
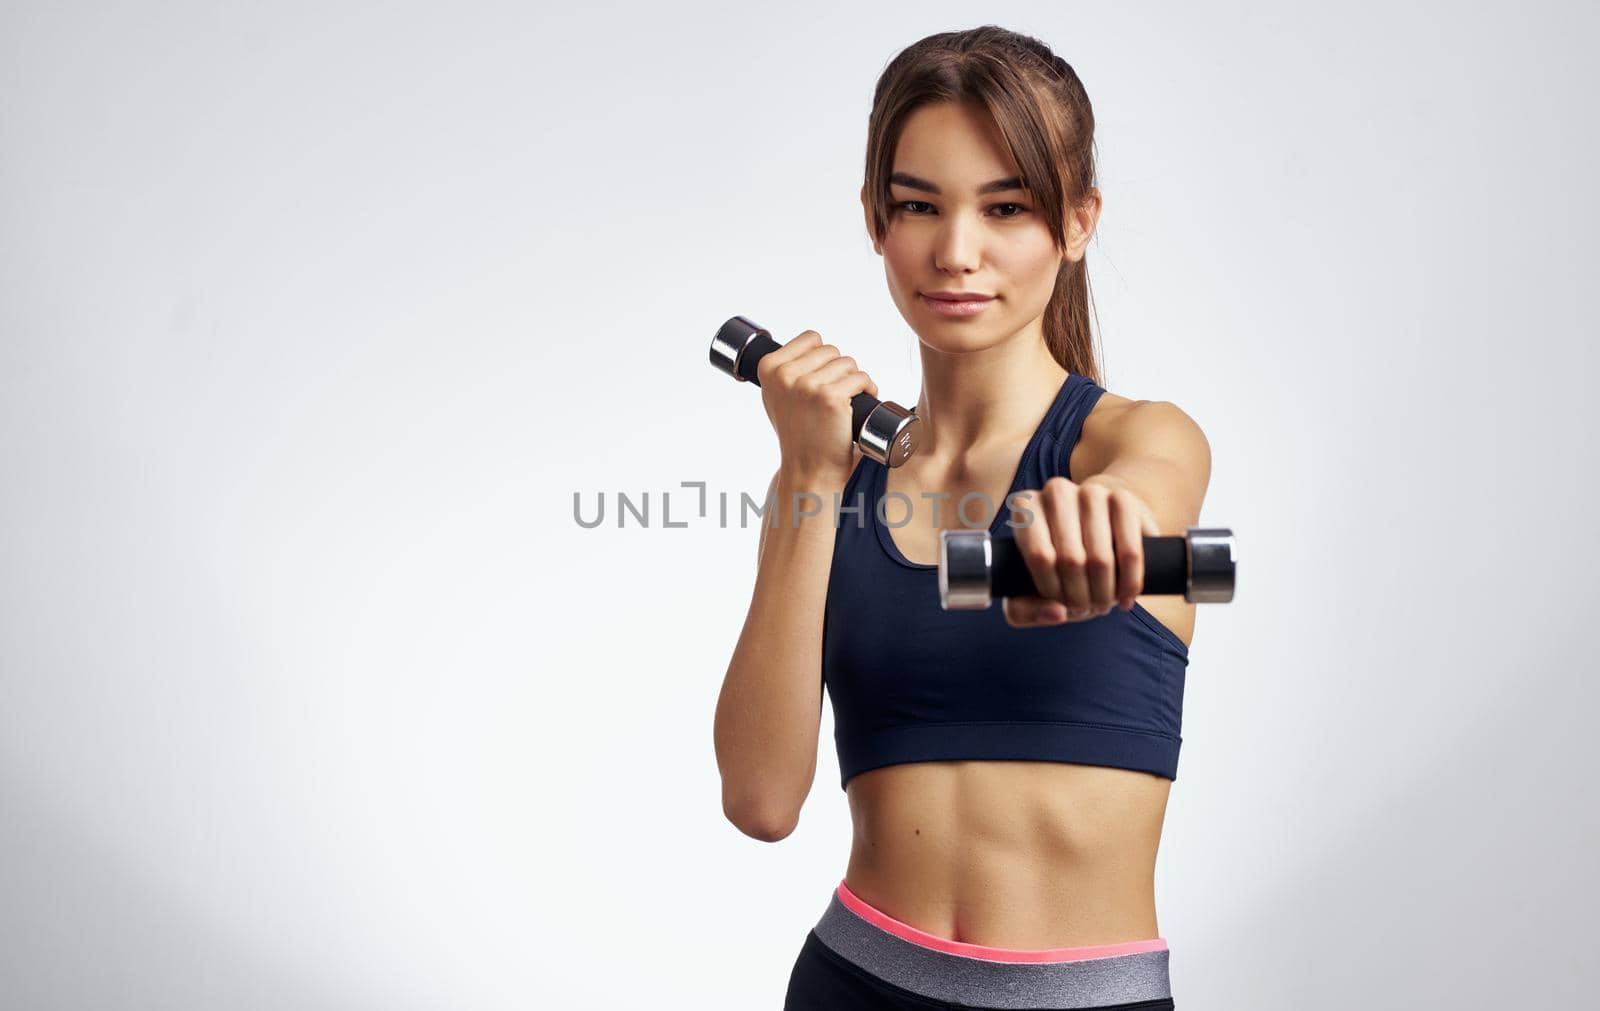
(911, 682)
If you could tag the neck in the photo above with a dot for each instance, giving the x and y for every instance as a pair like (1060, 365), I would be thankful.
(983, 398)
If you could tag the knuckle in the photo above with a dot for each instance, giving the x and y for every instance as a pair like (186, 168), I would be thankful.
(1040, 556)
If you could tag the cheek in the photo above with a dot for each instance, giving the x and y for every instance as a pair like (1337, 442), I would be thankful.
(1044, 271)
(1035, 268)
(898, 260)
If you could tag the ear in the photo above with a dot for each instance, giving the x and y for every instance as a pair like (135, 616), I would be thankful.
(1081, 223)
(866, 213)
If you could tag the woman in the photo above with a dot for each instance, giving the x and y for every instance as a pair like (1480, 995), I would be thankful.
(1007, 770)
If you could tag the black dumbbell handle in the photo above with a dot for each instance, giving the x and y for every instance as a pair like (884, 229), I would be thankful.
(1166, 567)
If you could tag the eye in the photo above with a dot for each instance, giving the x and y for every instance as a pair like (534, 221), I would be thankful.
(908, 206)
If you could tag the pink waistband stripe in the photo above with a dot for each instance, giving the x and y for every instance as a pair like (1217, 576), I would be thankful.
(879, 918)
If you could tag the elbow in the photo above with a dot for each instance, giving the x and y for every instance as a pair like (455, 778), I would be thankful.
(758, 821)
(769, 831)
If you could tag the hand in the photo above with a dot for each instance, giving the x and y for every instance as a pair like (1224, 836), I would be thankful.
(806, 387)
(1084, 546)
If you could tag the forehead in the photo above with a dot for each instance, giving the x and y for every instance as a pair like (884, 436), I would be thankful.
(952, 144)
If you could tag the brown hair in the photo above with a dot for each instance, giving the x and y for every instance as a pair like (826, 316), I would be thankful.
(1041, 110)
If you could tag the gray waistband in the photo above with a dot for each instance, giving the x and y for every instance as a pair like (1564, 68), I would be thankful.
(959, 979)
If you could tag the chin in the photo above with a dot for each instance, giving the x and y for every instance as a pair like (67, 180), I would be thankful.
(959, 339)
(955, 334)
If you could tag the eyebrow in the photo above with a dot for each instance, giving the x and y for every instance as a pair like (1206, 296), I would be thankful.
(910, 181)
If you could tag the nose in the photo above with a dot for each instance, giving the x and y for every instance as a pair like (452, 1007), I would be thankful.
(956, 248)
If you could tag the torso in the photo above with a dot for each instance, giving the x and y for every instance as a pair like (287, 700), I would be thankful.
(1012, 854)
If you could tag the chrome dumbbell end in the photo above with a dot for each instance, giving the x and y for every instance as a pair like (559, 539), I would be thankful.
(966, 559)
(729, 344)
(889, 434)
(1211, 565)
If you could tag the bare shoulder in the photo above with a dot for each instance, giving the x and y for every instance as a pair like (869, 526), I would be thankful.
(1120, 427)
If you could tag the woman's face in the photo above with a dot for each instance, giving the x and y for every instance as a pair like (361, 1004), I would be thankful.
(963, 238)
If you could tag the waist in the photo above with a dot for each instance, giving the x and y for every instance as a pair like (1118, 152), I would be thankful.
(1010, 854)
(890, 953)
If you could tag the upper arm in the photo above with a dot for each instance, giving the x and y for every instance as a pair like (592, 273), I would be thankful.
(1162, 455)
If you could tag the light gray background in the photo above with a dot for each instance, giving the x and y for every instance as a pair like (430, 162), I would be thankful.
(315, 695)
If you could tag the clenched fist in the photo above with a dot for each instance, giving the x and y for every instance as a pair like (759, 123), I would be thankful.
(1084, 545)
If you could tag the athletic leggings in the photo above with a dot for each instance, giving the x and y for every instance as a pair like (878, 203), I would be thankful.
(859, 958)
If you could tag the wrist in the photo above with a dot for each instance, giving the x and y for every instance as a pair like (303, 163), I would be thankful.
(794, 480)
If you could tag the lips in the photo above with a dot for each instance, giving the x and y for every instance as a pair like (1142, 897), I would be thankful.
(957, 308)
(958, 296)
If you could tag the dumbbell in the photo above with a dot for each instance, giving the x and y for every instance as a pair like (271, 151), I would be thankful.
(885, 431)
(975, 567)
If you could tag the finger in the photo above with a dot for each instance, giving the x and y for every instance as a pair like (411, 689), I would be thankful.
(774, 360)
(1034, 543)
(1126, 527)
(1029, 612)
(829, 373)
(1061, 505)
(848, 385)
(1099, 550)
(808, 362)
(803, 340)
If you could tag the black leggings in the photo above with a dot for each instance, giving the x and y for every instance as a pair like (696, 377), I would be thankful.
(858, 958)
